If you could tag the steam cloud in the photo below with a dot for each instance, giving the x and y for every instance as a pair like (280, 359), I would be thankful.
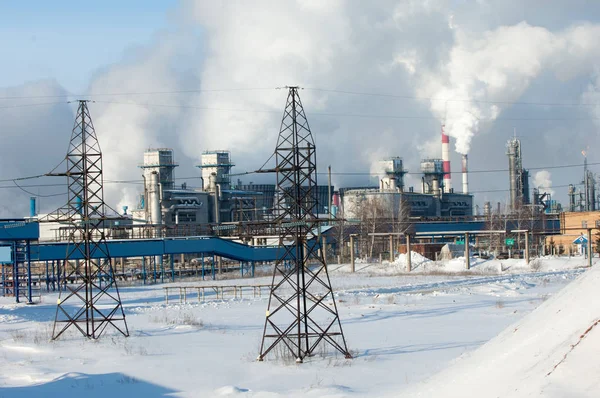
(457, 55)
(543, 181)
(500, 66)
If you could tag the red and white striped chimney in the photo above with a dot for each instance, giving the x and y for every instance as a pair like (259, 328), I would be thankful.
(465, 176)
(446, 161)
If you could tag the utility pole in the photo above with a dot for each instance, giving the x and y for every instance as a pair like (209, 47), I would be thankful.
(329, 192)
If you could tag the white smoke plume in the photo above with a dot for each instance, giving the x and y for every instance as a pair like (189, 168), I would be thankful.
(31, 146)
(471, 59)
(499, 66)
(543, 181)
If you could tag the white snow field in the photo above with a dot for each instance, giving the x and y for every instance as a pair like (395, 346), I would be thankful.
(402, 330)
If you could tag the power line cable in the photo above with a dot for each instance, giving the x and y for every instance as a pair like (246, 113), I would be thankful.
(331, 114)
(29, 105)
(115, 94)
(385, 95)
(316, 89)
(342, 173)
(38, 195)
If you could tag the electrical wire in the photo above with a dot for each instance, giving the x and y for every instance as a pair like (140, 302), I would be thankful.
(68, 95)
(38, 195)
(138, 182)
(508, 190)
(28, 105)
(330, 114)
(23, 178)
(188, 107)
(316, 89)
(385, 95)
(359, 173)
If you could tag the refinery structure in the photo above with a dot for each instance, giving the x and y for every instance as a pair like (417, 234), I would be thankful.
(226, 226)
(219, 200)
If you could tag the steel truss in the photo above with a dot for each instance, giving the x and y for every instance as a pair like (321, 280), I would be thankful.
(302, 312)
(94, 303)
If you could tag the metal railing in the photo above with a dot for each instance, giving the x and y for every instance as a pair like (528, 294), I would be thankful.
(234, 291)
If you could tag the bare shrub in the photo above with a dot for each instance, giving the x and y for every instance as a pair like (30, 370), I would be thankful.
(535, 264)
(499, 304)
(282, 354)
(178, 319)
(42, 334)
(190, 320)
(18, 335)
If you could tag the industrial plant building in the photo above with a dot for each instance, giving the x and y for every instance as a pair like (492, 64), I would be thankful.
(436, 199)
(163, 203)
(221, 200)
(392, 200)
(574, 227)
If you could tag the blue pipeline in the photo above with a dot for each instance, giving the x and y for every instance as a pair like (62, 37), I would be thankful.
(207, 246)
(78, 204)
(32, 207)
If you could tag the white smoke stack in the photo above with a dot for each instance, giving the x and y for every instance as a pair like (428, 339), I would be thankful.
(154, 199)
(446, 161)
(465, 176)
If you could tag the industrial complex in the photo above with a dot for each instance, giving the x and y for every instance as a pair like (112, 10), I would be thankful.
(226, 227)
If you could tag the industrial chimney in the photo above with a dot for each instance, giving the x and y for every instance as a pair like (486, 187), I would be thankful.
(154, 199)
(446, 161)
(465, 176)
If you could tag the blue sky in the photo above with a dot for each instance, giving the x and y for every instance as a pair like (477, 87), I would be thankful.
(69, 40)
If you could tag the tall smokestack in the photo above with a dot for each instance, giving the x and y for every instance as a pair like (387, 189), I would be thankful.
(446, 160)
(465, 176)
(154, 199)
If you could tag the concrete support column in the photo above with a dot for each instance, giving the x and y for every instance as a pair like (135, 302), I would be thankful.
(408, 256)
(391, 248)
(144, 269)
(220, 265)
(589, 247)
(352, 253)
(467, 254)
(172, 267)
(162, 269)
(324, 248)
(526, 247)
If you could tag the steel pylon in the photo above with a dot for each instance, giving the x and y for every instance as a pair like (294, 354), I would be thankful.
(90, 300)
(302, 312)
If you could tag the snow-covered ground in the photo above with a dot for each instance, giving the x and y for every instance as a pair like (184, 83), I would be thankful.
(402, 330)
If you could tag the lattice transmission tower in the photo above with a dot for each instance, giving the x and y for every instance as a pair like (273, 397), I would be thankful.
(302, 312)
(91, 302)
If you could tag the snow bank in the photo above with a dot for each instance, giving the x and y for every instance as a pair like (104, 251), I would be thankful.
(552, 352)
(229, 391)
(478, 266)
(416, 260)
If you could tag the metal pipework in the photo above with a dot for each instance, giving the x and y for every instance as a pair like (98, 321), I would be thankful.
(32, 207)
